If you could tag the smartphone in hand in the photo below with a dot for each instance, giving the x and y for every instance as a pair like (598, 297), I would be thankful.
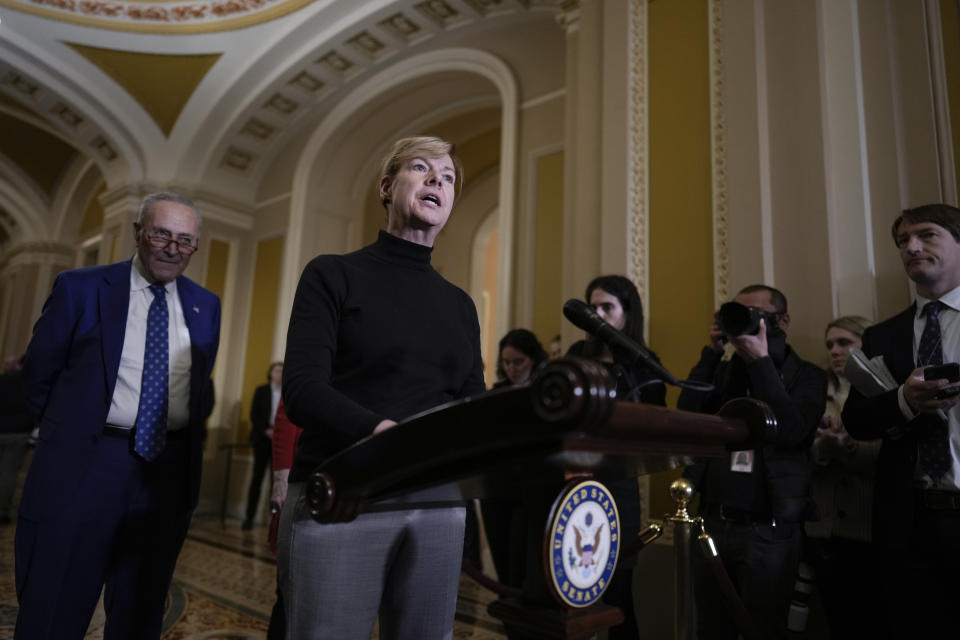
(949, 372)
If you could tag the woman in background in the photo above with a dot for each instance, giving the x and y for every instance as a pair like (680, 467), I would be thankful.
(520, 355)
(838, 545)
(616, 300)
(504, 520)
(285, 436)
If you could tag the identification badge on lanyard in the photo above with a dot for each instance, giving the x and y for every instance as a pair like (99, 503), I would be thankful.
(741, 461)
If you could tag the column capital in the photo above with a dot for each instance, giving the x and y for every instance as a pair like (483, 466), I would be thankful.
(568, 15)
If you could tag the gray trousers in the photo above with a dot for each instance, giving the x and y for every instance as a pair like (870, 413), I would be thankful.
(401, 565)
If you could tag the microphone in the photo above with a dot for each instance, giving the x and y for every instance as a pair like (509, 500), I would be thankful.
(582, 315)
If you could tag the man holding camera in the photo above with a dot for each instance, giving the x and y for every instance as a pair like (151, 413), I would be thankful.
(917, 491)
(754, 502)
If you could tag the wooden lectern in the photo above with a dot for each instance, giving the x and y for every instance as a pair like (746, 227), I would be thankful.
(526, 443)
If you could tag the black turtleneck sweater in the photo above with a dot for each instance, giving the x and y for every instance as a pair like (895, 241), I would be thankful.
(374, 334)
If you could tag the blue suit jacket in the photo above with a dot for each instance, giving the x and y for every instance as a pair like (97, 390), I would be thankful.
(71, 370)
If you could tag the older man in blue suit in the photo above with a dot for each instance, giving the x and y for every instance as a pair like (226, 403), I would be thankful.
(115, 373)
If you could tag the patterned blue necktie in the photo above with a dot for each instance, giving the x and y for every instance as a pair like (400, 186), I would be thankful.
(933, 447)
(151, 436)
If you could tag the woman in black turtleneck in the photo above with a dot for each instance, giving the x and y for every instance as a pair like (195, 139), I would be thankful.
(616, 300)
(375, 337)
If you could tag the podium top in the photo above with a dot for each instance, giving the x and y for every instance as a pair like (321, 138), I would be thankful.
(509, 440)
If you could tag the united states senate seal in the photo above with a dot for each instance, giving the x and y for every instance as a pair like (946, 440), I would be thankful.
(584, 543)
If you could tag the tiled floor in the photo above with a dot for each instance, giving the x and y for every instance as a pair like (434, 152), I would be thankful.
(223, 589)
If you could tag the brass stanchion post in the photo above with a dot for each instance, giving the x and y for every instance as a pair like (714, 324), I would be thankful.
(682, 492)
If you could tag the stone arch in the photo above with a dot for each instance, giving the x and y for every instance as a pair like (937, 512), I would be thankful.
(460, 60)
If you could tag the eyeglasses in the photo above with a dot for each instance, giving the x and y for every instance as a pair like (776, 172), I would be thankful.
(161, 239)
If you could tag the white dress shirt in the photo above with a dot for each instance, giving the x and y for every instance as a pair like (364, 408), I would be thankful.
(274, 402)
(126, 395)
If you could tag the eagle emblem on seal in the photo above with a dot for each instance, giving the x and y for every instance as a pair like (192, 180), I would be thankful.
(584, 542)
(585, 553)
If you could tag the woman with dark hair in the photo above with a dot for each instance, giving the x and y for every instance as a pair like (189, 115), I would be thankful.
(504, 520)
(616, 300)
(520, 355)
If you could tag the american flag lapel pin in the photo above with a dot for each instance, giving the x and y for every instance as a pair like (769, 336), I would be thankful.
(196, 309)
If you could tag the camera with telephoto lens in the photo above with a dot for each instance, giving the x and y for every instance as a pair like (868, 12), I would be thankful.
(736, 319)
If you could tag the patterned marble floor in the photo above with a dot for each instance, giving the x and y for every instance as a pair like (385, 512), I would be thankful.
(223, 589)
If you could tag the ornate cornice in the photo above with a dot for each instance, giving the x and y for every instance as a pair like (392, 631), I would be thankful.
(568, 16)
(33, 253)
(718, 131)
(159, 16)
(126, 200)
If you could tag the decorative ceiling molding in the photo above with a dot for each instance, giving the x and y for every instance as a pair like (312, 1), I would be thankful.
(638, 241)
(569, 15)
(125, 201)
(257, 129)
(368, 44)
(488, 8)
(360, 51)
(159, 16)
(282, 105)
(8, 223)
(24, 201)
(444, 14)
(103, 149)
(402, 27)
(36, 253)
(237, 159)
(70, 117)
(48, 110)
(308, 82)
(718, 131)
(229, 212)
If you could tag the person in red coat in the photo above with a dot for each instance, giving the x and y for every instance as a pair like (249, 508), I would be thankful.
(285, 437)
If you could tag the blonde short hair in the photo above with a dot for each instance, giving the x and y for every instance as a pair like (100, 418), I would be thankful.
(418, 147)
(854, 324)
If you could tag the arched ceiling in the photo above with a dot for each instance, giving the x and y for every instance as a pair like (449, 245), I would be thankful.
(160, 16)
(42, 156)
(208, 93)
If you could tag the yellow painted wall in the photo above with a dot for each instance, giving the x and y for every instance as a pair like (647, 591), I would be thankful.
(681, 236)
(479, 153)
(548, 261)
(950, 19)
(218, 256)
(263, 311)
(93, 214)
